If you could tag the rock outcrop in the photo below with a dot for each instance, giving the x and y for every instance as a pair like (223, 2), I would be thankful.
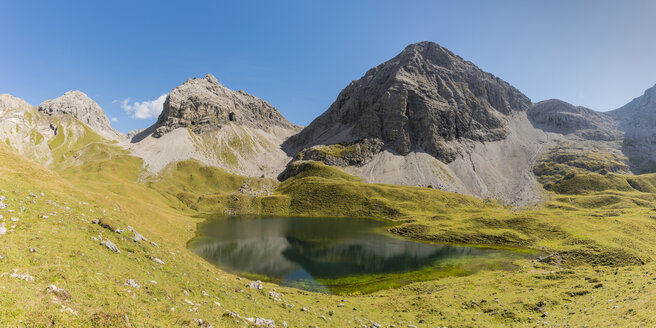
(205, 105)
(419, 100)
(80, 106)
(638, 120)
(355, 154)
(561, 117)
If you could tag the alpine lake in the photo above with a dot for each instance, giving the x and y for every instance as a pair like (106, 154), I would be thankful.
(336, 255)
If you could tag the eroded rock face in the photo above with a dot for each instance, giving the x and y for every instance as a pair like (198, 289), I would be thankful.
(638, 120)
(562, 117)
(205, 105)
(80, 106)
(419, 100)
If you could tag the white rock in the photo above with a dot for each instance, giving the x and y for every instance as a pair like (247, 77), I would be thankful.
(137, 237)
(267, 323)
(23, 276)
(60, 292)
(255, 285)
(156, 260)
(132, 283)
(111, 246)
(68, 310)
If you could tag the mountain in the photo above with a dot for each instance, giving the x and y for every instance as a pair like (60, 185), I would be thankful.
(427, 117)
(638, 120)
(204, 105)
(422, 99)
(53, 135)
(204, 120)
(80, 106)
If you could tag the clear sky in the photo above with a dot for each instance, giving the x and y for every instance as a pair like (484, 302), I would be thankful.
(298, 55)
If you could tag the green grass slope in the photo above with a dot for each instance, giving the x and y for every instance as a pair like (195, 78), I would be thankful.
(601, 271)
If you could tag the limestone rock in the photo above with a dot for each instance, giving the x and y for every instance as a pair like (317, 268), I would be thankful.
(132, 283)
(59, 292)
(156, 260)
(205, 105)
(110, 245)
(80, 106)
(264, 323)
(255, 285)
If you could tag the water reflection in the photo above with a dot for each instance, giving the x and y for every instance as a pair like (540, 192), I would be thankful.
(301, 250)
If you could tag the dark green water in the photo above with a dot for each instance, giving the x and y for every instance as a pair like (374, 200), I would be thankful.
(335, 255)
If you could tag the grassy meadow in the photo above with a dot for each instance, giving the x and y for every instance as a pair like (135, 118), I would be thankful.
(597, 229)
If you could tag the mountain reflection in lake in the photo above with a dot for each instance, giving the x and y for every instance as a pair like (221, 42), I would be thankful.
(298, 251)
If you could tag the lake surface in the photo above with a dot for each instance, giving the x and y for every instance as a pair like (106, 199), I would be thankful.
(335, 255)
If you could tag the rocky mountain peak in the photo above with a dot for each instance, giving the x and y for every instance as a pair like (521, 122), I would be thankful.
(79, 105)
(645, 102)
(205, 104)
(8, 101)
(420, 100)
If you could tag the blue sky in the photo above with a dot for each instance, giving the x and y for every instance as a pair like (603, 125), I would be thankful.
(298, 55)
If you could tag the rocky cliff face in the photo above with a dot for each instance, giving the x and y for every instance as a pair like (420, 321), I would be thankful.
(205, 105)
(205, 121)
(419, 100)
(638, 120)
(561, 117)
(80, 106)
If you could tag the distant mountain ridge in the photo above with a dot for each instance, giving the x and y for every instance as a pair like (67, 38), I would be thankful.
(638, 120)
(426, 117)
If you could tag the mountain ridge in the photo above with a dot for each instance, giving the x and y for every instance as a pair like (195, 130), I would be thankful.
(426, 117)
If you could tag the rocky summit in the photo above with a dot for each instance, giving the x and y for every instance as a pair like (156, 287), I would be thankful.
(638, 119)
(205, 104)
(418, 101)
(80, 106)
